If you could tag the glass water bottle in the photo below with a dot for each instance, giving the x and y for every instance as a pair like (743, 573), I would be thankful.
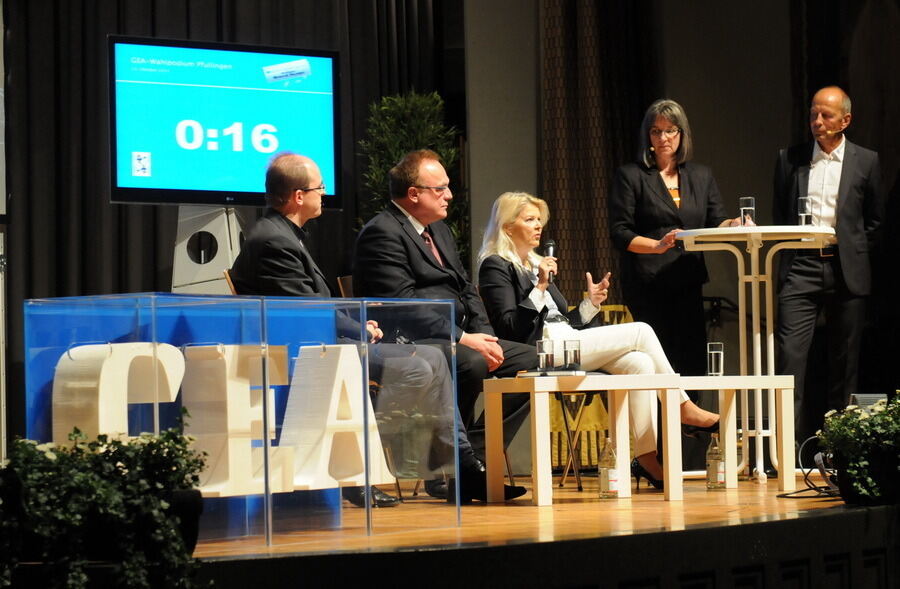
(715, 464)
(606, 471)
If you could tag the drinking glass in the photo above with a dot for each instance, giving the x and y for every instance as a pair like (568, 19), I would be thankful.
(747, 205)
(572, 354)
(715, 358)
(545, 354)
(804, 210)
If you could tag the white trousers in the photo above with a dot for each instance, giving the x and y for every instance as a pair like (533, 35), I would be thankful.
(627, 348)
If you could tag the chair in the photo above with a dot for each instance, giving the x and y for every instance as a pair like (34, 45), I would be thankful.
(227, 274)
(616, 314)
(345, 285)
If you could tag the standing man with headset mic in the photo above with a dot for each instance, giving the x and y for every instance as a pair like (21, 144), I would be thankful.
(843, 182)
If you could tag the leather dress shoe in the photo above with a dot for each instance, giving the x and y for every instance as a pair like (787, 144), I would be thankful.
(437, 488)
(357, 496)
(473, 485)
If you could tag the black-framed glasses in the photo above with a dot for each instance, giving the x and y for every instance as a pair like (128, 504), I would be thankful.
(319, 188)
(669, 133)
(437, 189)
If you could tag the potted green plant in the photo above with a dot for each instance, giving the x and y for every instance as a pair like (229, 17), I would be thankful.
(401, 123)
(865, 448)
(109, 508)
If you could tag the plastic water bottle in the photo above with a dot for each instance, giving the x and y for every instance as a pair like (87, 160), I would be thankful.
(606, 471)
(715, 465)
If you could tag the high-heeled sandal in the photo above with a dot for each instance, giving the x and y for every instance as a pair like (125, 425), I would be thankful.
(694, 431)
(638, 471)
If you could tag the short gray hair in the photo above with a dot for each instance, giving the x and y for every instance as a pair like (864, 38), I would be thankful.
(675, 114)
(287, 172)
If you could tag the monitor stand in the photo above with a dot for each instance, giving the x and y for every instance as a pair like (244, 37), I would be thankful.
(207, 242)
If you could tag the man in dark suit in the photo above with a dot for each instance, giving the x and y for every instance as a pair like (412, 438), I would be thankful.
(407, 251)
(274, 261)
(843, 183)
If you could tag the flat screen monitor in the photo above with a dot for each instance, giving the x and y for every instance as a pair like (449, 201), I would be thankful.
(198, 123)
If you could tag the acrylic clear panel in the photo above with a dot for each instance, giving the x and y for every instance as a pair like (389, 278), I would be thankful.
(353, 412)
(130, 363)
(293, 402)
(413, 392)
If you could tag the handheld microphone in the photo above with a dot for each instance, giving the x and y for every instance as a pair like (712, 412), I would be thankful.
(550, 251)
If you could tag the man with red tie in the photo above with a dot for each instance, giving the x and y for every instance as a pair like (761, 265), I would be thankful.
(407, 251)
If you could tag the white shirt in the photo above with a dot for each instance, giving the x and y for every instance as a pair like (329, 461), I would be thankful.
(415, 222)
(541, 298)
(824, 180)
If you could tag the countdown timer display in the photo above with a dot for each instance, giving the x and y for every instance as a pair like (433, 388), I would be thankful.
(199, 123)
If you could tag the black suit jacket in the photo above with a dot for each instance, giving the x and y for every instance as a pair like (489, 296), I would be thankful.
(860, 207)
(639, 204)
(275, 262)
(392, 261)
(505, 290)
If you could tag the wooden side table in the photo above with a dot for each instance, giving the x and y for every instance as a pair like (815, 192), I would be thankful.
(618, 385)
(783, 387)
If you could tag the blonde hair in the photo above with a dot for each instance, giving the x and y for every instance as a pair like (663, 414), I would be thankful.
(506, 209)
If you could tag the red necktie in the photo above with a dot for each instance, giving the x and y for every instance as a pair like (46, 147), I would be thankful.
(434, 250)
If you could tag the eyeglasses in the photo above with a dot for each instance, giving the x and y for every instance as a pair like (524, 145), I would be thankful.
(669, 133)
(439, 190)
(319, 188)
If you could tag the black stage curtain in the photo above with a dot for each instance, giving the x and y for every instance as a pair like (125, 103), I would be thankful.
(65, 238)
(854, 45)
(598, 74)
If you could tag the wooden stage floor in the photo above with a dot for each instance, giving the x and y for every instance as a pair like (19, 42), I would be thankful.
(573, 516)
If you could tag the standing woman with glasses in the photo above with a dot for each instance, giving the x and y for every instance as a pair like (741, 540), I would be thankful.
(651, 199)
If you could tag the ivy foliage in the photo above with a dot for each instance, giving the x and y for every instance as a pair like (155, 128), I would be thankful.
(401, 123)
(106, 500)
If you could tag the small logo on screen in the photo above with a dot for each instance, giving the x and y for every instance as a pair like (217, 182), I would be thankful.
(290, 70)
(140, 163)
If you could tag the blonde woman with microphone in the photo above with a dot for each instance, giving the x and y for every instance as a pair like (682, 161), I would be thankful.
(523, 305)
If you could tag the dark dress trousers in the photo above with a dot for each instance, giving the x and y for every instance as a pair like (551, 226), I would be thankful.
(393, 261)
(836, 285)
(274, 261)
(666, 290)
(505, 291)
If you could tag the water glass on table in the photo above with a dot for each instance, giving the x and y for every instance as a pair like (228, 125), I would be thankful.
(804, 210)
(747, 206)
(545, 354)
(572, 354)
(715, 359)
